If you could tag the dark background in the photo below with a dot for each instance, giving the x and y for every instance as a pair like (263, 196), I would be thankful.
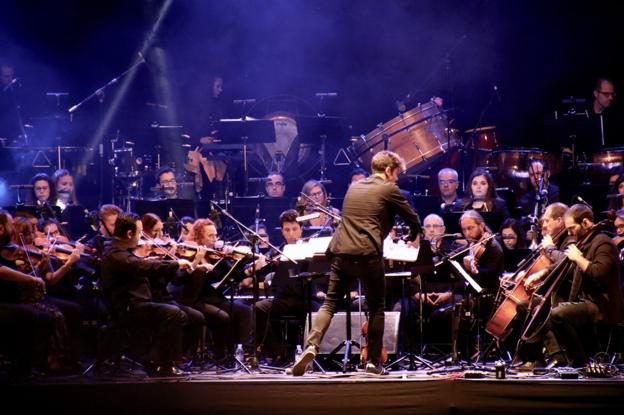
(372, 53)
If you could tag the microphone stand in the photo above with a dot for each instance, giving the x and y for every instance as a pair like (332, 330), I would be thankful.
(100, 91)
(254, 238)
(322, 208)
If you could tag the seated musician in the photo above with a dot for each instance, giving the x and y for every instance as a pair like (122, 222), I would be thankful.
(316, 191)
(107, 216)
(167, 183)
(184, 228)
(43, 195)
(439, 293)
(481, 194)
(594, 297)
(158, 245)
(539, 170)
(275, 185)
(65, 190)
(448, 183)
(288, 296)
(127, 281)
(220, 312)
(67, 314)
(26, 326)
(357, 174)
(514, 244)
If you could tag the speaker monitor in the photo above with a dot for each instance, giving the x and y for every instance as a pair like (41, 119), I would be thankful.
(336, 333)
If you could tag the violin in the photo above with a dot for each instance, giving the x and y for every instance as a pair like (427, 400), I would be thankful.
(364, 349)
(23, 257)
(59, 250)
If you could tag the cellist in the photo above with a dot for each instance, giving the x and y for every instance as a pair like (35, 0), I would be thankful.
(595, 296)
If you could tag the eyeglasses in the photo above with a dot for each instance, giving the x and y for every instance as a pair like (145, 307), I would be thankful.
(432, 226)
(445, 182)
(172, 181)
(609, 94)
(274, 184)
(316, 194)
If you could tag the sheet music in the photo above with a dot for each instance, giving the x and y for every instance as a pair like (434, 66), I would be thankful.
(306, 250)
(474, 284)
(400, 251)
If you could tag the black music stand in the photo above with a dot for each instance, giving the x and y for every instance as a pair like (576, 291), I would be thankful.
(269, 209)
(246, 131)
(422, 267)
(311, 130)
(307, 276)
(162, 207)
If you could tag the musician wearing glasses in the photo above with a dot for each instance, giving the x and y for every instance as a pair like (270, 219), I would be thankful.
(275, 185)
(448, 183)
(167, 183)
(316, 191)
(606, 122)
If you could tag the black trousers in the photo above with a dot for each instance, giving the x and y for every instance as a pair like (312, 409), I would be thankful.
(344, 271)
(167, 322)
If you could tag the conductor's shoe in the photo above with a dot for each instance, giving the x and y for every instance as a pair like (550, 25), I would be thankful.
(374, 369)
(300, 366)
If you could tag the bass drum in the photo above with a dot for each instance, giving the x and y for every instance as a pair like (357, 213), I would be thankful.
(286, 154)
(421, 136)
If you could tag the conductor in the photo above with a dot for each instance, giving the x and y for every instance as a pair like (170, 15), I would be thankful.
(356, 251)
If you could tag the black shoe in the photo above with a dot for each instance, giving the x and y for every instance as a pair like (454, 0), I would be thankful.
(374, 369)
(557, 360)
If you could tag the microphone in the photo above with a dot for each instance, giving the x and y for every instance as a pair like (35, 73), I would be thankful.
(21, 186)
(580, 199)
(498, 97)
(308, 217)
(10, 84)
(256, 179)
(326, 94)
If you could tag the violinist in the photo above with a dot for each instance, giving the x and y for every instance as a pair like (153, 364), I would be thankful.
(485, 261)
(288, 297)
(23, 326)
(127, 284)
(595, 297)
(221, 314)
(316, 191)
(62, 342)
(65, 190)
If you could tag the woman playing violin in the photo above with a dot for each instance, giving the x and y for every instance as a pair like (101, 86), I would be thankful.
(64, 317)
(316, 191)
(215, 306)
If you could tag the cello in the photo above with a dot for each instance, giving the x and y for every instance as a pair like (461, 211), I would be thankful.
(538, 313)
(498, 324)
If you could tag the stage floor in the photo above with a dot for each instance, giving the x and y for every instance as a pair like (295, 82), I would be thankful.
(270, 392)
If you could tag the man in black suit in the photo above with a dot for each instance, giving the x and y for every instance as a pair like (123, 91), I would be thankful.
(356, 251)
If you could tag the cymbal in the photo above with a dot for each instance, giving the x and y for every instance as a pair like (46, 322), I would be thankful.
(481, 129)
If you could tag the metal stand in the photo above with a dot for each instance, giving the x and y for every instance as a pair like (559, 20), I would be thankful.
(348, 343)
(407, 310)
